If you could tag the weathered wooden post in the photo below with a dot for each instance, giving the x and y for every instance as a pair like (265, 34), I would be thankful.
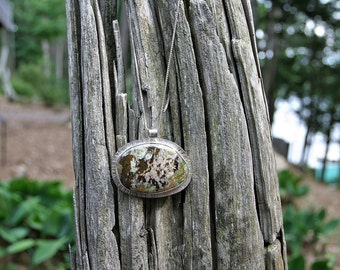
(229, 217)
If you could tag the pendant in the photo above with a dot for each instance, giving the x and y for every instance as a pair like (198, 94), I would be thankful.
(151, 168)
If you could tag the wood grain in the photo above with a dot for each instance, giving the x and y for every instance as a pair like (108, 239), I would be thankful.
(230, 216)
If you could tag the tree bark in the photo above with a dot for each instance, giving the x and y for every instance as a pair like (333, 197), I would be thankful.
(5, 71)
(229, 217)
(328, 133)
(45, 45)
(271, 66)
(59, 49)
(306, 146)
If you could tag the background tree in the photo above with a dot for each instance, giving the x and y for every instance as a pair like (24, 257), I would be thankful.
(38, 22)
(229, 217)
(299, 45)
(6, 53)
(40, 68)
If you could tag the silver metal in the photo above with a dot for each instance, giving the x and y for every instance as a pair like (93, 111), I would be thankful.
(152, 142)
(153, 133)
(165, 99)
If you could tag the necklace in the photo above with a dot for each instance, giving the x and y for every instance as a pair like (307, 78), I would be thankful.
(152, 167)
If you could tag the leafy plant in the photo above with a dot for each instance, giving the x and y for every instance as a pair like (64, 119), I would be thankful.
(27, 79)
(290, 186)
(305, 229)
(297, 262)
(30, 83)
(35, 219)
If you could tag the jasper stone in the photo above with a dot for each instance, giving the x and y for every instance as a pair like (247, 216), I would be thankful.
(152, 168)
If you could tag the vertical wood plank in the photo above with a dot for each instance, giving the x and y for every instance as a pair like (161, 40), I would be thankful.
(229, 148)
(92, 130)
(254, 103)
(160, 213)
(185, 91)
(273, 257)
(73, 27)
(133, 236)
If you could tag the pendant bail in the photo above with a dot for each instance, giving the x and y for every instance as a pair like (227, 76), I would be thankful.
(153, 133)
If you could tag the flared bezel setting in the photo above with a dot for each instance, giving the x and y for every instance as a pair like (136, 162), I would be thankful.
(151, 168)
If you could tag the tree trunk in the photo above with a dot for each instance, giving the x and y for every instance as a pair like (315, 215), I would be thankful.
(59, 54)
(229, 217)
(45, 45)
(271, 66)
(5, 71)
(328, 132)
(306, 146)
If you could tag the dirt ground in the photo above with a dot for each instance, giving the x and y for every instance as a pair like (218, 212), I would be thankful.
(320, 195)
(38, 145)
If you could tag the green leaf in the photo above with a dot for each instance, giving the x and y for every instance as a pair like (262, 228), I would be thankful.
(53, 223)
(9, 266)
(13, 235)
(24, 209)
(46, 249)
(322, 214)
(20, 246)
(321, 265)
(37, 218)
(330, 226)
(6, 194)
(40, 209)
(59, 223)
(301, 191)
(297, 263)
(2, 252)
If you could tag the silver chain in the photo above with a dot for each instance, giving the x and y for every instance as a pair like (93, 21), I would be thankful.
(165, 100)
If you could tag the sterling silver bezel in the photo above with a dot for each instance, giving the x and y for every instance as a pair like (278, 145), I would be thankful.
(157, 142)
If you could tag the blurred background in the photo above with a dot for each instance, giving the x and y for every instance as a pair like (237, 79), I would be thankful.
(299, 51)
(298, 43)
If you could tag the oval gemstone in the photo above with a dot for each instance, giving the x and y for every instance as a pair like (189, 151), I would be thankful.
(152, 168)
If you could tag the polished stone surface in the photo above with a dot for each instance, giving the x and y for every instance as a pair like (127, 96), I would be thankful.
(152, 168)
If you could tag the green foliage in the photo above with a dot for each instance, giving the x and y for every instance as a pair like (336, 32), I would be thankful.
(30, 83)
(37, 219)
(305, 229)
(40, 38)
(321, 265)
(54, 94)
(303, 37)
(28, 80)
(297, 262)
(290, 187)
(37, 20)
